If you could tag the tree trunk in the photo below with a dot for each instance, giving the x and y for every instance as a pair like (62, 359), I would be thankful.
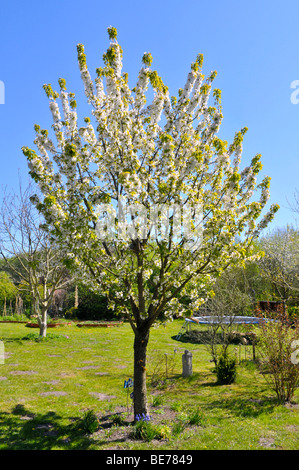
(140, 347)
(43, 329)
(43, 322)
(76, 297)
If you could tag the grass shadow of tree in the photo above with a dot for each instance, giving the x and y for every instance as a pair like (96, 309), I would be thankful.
(23, 430)
(198, 337)
(244, 407)
(16, 340)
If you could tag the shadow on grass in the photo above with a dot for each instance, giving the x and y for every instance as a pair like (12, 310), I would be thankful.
(11, 340)
(197, 337)
(34, 337)
(244, 407)
(22, 430)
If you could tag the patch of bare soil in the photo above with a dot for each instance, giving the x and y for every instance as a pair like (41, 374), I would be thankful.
(292, 406)
(266, 442)
(114, 435)
(102, 396)
(23, 372)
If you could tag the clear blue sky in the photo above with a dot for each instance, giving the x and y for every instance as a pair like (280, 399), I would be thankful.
(253, 45)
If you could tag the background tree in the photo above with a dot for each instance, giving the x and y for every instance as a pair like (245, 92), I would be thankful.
(229, 301)
(115, 190)
(280, 265)
(30, 254)
(297, 201)
(8, 290)
(295, 204)
(91, 305)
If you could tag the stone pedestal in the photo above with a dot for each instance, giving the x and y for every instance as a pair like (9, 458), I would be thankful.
(187, 363)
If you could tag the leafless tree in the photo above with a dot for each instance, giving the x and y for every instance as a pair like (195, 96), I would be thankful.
(280, 265)
(29, 252)
(296, 202)
(228, 302)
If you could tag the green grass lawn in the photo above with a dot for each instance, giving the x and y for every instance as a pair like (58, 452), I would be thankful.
(48, 387)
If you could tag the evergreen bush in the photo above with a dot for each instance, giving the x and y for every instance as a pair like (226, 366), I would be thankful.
(226, 369)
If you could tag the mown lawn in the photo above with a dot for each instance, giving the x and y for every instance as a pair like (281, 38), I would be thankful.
(46, 389)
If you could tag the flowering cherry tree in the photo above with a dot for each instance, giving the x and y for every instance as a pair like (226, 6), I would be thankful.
(144, 198)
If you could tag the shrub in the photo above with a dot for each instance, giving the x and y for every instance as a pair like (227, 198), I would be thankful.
(178, 427)
(91, 305)
(276, 349)
(226, 369)
(196, 417)
(38, 339)
(293, 313)
(176, 406)
(193, 417)
(145, 430)
(118, 420)
(161, 366)
(71, 313)
(162, 431)
(89, 423)
(157, 401)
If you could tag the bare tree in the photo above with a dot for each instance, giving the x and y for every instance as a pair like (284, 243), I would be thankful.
(280, 265)
(229, 301)
(29, 252)
(295, 206)
(276, 346)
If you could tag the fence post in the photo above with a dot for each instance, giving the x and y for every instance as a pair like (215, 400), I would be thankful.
(187, 363)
